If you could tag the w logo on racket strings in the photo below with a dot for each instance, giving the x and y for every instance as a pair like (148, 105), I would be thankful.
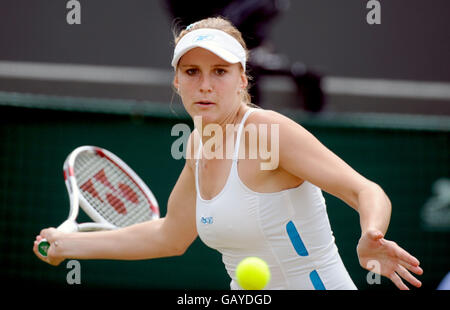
(112, 193)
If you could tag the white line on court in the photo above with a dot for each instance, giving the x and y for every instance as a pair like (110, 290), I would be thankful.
(162, 77)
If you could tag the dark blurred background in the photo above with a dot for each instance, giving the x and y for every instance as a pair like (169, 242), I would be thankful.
(411, 43)
(327, 37)
(385, 109)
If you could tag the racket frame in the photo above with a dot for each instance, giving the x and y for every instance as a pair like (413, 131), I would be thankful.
(77, 200)
(93, 214)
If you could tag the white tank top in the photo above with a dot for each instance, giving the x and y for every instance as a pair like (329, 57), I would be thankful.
(289, 229)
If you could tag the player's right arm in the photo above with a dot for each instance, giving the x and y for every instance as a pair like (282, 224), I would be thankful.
(168, 236)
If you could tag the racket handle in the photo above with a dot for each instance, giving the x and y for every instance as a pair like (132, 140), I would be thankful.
(43, 246)
(68, 226)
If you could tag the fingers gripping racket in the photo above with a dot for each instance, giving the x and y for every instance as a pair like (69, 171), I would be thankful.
(107, 190)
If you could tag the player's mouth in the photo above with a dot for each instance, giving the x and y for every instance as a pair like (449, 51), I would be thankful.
(204, 103)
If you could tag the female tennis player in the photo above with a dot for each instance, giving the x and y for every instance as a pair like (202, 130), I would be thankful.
(235, 206)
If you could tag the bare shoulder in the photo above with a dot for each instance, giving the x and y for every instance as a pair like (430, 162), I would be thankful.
(277, 135)
(291, 138)
(262, 116)
(284, 124)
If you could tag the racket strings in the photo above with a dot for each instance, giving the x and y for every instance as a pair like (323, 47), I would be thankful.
(110, 191)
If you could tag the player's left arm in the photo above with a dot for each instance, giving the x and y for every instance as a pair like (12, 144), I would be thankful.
(303, 155)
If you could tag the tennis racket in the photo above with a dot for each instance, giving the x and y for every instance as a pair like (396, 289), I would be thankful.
(107, 190)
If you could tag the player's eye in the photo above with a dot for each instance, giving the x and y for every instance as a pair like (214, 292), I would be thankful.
(191, 71)
(220, 71)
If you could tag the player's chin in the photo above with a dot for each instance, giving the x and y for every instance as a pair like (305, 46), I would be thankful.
(207, 115)
(201, 108)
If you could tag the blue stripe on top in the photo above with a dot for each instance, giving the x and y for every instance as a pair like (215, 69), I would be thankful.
(316, 281)
(296, 241)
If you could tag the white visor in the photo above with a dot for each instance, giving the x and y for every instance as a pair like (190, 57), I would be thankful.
(213, 40)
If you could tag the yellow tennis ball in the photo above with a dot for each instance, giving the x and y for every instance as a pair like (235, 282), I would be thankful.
(253, 273)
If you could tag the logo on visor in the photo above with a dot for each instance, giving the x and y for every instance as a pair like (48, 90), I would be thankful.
(204, 37)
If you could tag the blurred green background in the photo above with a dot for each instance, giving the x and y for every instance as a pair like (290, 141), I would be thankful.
(406, 155)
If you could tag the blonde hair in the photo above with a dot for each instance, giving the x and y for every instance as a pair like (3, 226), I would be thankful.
(225, 25)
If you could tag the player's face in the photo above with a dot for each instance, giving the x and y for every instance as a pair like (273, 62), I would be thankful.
(208, 85)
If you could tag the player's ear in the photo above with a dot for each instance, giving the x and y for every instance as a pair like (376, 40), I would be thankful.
(175, 82)
(244, 79)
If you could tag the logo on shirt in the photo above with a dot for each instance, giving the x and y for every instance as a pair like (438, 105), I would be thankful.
(206, 220)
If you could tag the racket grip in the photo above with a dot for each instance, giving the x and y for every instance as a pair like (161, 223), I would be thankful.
(43, 247)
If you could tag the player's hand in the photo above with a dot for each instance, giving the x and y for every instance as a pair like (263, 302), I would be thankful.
(53, 257)
(394, 262)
